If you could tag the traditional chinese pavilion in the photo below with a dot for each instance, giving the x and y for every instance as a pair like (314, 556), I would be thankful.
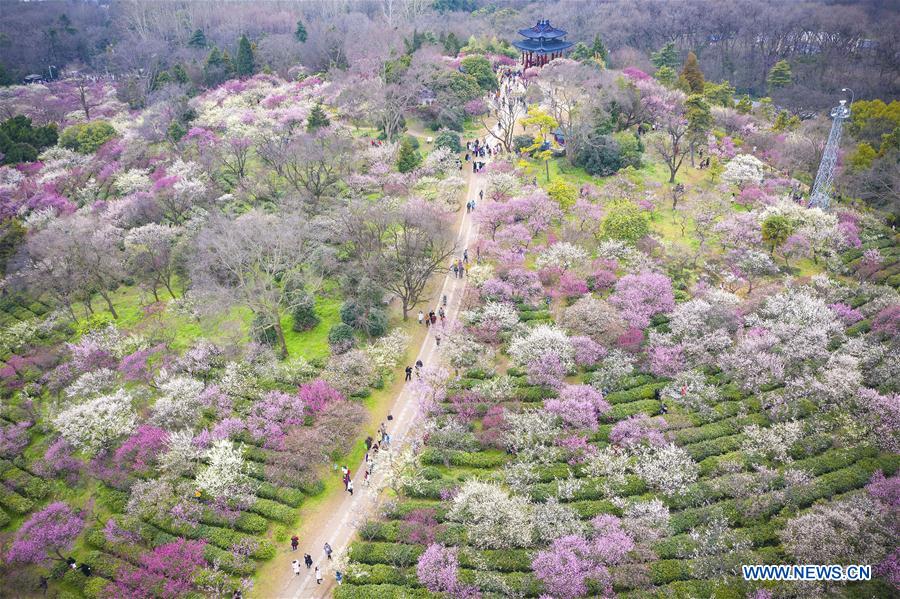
(542, 43)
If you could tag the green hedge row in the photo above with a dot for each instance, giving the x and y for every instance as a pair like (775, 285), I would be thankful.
(823, 487)
(250, 523)
(532, 394)
(273, 510)
(223, 538)
(464, 459)
(622, 411)
(646, 391)
(402, 555)
(15, 503)
(27, 484)
(211, 553)
(717, 429)
(379, 591)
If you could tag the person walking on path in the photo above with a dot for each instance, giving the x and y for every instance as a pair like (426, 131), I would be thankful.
(295, 566)
(318, 575)
(307, 559)
(328, 550)
(339, 577)
(421, 317)
(350, 487)
(409, 373)
(295, 542)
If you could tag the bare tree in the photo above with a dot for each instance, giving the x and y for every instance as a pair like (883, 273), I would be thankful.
(312, 163)
(250, 261)
(73, 258)
(508, 111)
(670, 139)
(149, 251)
(402, 247)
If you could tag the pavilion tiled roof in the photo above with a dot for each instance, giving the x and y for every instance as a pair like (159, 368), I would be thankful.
(543, 46)
(543, 29)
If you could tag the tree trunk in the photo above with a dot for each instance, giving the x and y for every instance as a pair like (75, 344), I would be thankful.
(169, 288)
(405, 309)
(281, 340)
(109, 303)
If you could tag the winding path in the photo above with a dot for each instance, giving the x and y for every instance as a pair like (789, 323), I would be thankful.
(353, 510)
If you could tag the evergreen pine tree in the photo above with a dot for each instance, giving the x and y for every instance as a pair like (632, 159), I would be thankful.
(780, 75)
(218, 67)
(692, 74)
(244, 63)
(700, 121)
(317, 118)
(666, 57)
(409, 157)
(300, 32)
(665, 75)
(452, 44)
(744, 105)
(580, 52)
(179, 74)
(598, 50)
(198, 39)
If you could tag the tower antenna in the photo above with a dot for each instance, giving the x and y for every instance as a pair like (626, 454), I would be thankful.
(822, 188)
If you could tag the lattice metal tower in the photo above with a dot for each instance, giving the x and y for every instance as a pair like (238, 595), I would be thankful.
(821, 192)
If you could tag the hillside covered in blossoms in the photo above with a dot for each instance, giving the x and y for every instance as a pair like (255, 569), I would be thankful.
(384, 300)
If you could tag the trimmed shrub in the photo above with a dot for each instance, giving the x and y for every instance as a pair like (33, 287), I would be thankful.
(449, 140)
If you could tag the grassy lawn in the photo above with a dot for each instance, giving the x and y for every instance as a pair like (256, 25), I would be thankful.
(313, 343)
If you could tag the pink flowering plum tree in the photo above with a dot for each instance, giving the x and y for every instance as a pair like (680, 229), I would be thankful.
(46, 535)
(547, 370)
(642, 296)
(317, 394)
(572, 561)
(578, 406)
(637, 430)
(166, 572)
(438, 571)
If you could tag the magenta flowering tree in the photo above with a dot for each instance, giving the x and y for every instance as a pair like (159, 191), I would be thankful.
(317, 394)
(666, 360)
(587, 351)
(578, 406)
(465, 405)
(271, 416)
(638, 429)
(166, 572)
(60, 461)
(13, 439)
(438, 571)
(635, 73)
(140, 450)
(420, 526)
(886, 324)
(548, 370)
(571, 285)
(571, 561)
(631, 340)
(46, 535)
(566, 567)
(642, 296)
(135, 366)
(847, 314)
(493, 424)
(884, 489)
